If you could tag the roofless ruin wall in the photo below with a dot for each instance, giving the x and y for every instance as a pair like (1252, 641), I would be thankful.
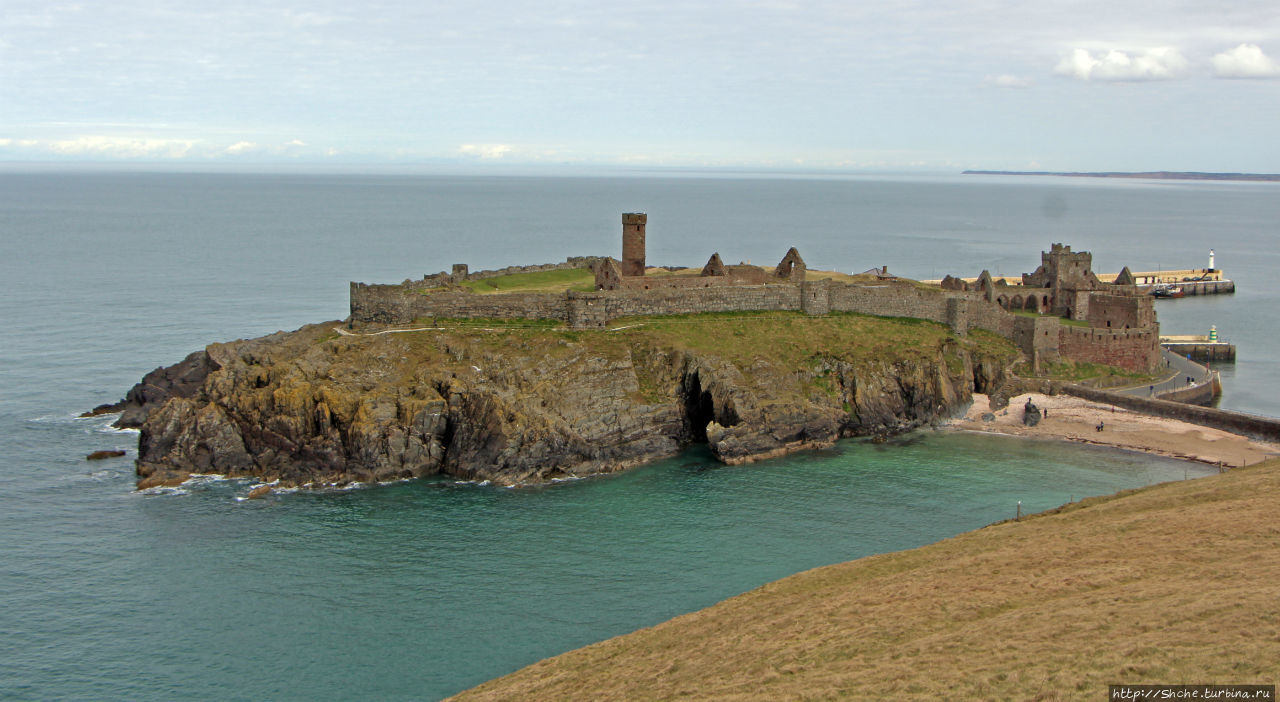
(402, 304)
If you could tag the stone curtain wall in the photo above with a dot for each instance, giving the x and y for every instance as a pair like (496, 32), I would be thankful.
(401, 304)
(398, 304)
(1121, 311)
(988, 315)
(1135, 349)
(671, 281)
(1040, 338)
(595, 309)
(890, 301)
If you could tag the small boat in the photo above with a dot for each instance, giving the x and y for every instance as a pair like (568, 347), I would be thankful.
(1166, 291)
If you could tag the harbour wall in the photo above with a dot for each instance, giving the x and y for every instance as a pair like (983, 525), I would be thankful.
(1251, 425)
(1217, 352)
(1204, 287)
(1196, 394)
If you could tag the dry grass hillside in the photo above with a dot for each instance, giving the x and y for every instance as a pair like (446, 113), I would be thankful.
(1177, 583)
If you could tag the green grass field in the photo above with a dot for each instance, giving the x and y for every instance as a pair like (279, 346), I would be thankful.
(579, 279)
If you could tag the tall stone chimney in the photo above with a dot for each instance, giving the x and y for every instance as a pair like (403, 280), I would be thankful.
(633, 243)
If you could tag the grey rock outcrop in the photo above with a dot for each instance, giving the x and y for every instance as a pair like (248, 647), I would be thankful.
(314, 407)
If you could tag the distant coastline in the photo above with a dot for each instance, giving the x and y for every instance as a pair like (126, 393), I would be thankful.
(1161, 175)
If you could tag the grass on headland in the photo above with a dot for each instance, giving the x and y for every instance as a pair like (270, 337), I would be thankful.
(1061, 320)
(1176, 583)
(791, 351)
(579, 279)
(1094, 374)
(789, 338)
(582, 279)
(782, 336)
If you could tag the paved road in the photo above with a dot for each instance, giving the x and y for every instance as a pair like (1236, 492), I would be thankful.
(1180, 368)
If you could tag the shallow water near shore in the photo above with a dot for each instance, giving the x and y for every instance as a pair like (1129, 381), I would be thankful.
(419, 589)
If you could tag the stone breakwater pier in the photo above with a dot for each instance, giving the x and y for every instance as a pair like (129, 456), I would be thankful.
(1062, 311)
(1200, 348)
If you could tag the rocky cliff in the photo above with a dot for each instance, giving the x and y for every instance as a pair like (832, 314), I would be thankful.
(527, 405)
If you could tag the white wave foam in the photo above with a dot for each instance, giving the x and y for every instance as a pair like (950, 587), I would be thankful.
(164, 490)
(205, 479)
(108, 429)
(59, 419)
(487, 483)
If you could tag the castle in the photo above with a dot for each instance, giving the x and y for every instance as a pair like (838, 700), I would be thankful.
(1061, 311)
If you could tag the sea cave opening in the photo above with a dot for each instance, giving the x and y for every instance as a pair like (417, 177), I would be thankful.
(699, 409)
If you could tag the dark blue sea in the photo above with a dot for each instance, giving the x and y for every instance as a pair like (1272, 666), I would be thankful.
(420, 589)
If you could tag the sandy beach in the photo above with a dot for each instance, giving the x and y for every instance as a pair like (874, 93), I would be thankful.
(1074, 419)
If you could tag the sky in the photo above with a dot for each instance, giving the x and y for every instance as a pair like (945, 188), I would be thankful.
(931, 85)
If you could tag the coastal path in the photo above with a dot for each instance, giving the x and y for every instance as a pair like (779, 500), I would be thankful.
(1181, 368)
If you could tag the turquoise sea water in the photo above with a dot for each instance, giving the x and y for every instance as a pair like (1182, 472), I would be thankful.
(420, 589)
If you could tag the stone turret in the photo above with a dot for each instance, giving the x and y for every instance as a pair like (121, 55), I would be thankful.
(633, 243)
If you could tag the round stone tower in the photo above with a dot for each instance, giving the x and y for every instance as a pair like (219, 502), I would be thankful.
(633, 243)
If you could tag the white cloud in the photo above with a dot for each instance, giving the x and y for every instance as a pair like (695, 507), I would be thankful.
(241, 147)
(1005, 80)
(154, 147)
(1155, 64)
(486, 150)
(121, 147)
(1245, 61)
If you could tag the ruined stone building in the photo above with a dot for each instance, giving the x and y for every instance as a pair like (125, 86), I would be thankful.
(1120, 325)
(630, 273)
(1060, 311)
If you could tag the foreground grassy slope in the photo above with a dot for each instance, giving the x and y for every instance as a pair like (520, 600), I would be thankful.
(1177, 583)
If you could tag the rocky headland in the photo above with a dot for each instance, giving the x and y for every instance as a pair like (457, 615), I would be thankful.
(520, 404)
